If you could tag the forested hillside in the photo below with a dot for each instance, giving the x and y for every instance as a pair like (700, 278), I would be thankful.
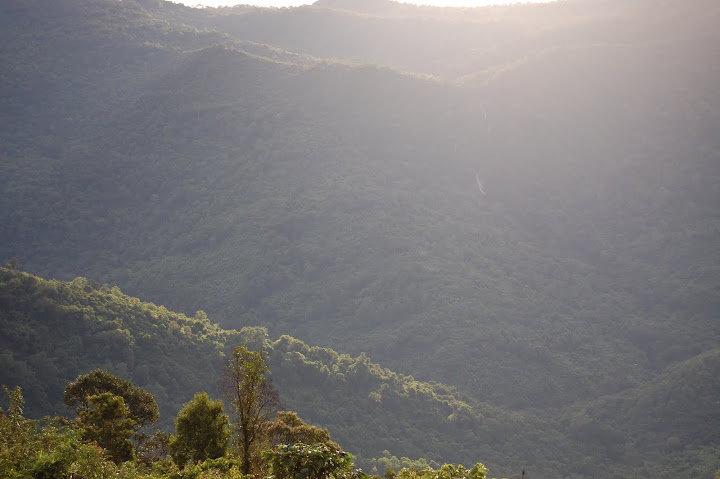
(518, 202)
(386, 419)
(83, 325)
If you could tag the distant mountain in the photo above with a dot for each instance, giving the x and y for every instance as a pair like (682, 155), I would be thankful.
(314, 172)
(672, 416)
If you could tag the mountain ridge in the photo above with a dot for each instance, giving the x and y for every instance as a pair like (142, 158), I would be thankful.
(329, 196)
(363, 404)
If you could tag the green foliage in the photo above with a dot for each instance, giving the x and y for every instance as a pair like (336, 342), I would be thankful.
(572, 310)
(106, 329)
(389, 464)
(253, 398)
(138, 404)
(224, 467)
(365, 405)
(53, 449)
(652, 421)
(15, 433)
(106, 421)
(49, 448)
(447, 471)
(202, 431)
(153, 448)
(310, 461)
(207, 177)
(288, 428)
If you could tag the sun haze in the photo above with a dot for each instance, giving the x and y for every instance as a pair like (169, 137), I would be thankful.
(297, 3)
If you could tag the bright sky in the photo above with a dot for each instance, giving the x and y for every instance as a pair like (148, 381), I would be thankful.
(295, 3)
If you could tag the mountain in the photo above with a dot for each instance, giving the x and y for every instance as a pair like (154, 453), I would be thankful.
(368, 408)
(634, 425)
(374, 412)
(313, 172)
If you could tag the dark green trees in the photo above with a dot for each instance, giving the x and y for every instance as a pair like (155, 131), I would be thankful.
(46, 448)
(141, 405)
(253, 398)
(311, 461)
(111, 410)
(107, 422)
(447, 471)
(288, 428)
(302, 450)
(202, 431)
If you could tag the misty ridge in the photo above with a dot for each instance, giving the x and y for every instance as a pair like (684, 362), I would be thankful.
(461, 235)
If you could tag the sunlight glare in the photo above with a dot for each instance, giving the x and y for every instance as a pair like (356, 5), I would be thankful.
(297, 3)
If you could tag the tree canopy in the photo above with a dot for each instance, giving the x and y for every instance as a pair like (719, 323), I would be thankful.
(202, 431)
(288, 428)
(106, 420)
(138, 403)
(253, 398)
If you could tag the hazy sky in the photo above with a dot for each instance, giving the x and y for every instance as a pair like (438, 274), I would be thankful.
(294, 3)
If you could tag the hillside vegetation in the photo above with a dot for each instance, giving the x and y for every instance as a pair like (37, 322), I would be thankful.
(375, 413)
(518, 203)
(83, 325)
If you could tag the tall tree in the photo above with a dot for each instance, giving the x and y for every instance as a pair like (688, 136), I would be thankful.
(202, 431)
(141, 405)
(253, 398)
(106, 421)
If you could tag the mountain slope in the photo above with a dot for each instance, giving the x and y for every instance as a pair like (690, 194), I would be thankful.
(340, 203)
(83, 325)
(676, 415)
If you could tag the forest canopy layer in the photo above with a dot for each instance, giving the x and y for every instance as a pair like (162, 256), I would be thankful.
(518, 204)
(386, 419)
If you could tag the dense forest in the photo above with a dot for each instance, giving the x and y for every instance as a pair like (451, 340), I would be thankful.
(512, 209)
(386, 419)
